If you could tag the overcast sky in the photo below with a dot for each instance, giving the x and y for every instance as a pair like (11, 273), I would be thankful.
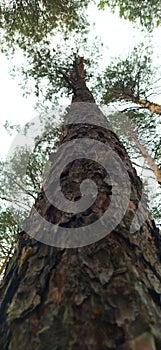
(118, 36)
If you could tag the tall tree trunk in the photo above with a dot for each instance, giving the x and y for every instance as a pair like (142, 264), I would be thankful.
(105, 295)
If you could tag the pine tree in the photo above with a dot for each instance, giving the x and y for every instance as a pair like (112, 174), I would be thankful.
(103, 295)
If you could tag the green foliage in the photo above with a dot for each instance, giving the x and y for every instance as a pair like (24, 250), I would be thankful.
(144, 126)
(130, 77)
(123, 84)
(10, 127)
(155, 206)
(20, 180)
(8, 228)
(130, 80)
(50, 35)
(148, 12)
(26, 22)
(47, 64)
(23, 173)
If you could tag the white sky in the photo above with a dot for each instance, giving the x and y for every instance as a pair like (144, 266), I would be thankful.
(118, 37)
(13, 107)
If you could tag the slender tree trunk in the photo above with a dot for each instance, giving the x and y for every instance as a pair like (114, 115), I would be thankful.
(150, 161)
(151, 106)
(105, 295)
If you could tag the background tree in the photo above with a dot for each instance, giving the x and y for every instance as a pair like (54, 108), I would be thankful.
(133, 79)
(21, 178)
(148, 13)
(131, 85)
(25, 23)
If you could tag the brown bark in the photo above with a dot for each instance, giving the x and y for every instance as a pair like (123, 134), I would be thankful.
(151, 106)
(102, 296)
(80, 90)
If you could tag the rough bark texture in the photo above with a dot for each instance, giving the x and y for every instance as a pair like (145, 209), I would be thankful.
(102, 296)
